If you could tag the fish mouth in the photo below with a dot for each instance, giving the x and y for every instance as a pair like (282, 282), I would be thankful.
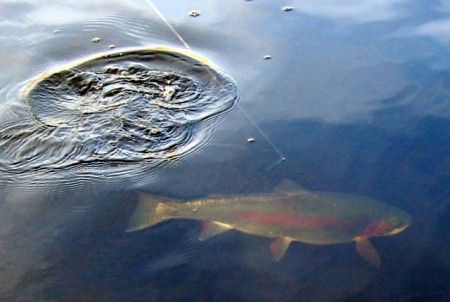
(398, 230)
(401, 228)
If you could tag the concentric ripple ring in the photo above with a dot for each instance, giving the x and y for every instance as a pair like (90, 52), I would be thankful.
(135, 105)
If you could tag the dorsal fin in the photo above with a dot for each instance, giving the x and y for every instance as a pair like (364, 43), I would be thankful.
(287, 186)
(218, 196)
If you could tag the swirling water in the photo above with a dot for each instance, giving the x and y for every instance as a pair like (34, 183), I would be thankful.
(126, 106)
(355, 95)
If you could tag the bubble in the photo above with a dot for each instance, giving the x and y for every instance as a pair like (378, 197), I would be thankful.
(96, 39)
(267, 57)
(250, 140)
(194, 13)
(139, 105)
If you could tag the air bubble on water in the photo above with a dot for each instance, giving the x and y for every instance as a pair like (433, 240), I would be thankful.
(96, 39)
(194, 13)
(112, 46)
(250, 140)
(267, 57)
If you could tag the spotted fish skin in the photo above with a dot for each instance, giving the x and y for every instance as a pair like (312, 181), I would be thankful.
(290, 212)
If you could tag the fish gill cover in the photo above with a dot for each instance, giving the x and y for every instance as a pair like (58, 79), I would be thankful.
(129, 106)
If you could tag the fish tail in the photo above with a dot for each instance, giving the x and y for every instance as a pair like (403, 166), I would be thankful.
(150, 210)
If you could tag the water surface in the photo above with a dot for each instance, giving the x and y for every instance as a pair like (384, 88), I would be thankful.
(355, 97)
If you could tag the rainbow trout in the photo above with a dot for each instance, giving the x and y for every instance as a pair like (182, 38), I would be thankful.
(290, 213)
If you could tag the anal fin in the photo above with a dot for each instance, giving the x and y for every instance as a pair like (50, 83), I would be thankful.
(279, 246)
(367, 251)
(212, 228)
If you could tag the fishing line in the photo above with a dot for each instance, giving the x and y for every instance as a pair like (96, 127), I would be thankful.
(186, 45)
(172, 29)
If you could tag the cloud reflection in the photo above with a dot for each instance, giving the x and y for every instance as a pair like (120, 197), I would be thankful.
(356, 10)
(439, 29)
(29, 12)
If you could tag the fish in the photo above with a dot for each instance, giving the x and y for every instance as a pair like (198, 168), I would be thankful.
(289, 213)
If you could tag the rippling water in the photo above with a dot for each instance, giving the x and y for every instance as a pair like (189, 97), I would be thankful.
(355, 96)
(124, 107)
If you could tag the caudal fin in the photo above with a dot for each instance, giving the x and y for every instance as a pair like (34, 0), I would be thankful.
(150, 210)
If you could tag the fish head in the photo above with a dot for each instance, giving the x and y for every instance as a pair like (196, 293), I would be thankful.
(391, 222)
(398, 219)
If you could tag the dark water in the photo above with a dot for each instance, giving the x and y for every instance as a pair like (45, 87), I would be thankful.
(355, 97)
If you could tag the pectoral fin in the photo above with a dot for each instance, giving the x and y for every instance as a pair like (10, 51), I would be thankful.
(212, 228)
(367, 251)
(279, 246)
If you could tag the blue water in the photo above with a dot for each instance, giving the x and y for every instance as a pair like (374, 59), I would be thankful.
(356, 97)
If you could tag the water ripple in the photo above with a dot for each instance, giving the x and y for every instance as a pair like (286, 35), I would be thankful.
(136, 105)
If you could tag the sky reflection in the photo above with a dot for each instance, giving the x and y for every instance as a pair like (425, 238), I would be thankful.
(359, 11)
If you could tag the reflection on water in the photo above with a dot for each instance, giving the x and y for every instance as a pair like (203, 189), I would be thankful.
(355, 96)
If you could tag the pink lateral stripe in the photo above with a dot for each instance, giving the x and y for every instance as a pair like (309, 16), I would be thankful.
(377, 228)
(293, 220)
